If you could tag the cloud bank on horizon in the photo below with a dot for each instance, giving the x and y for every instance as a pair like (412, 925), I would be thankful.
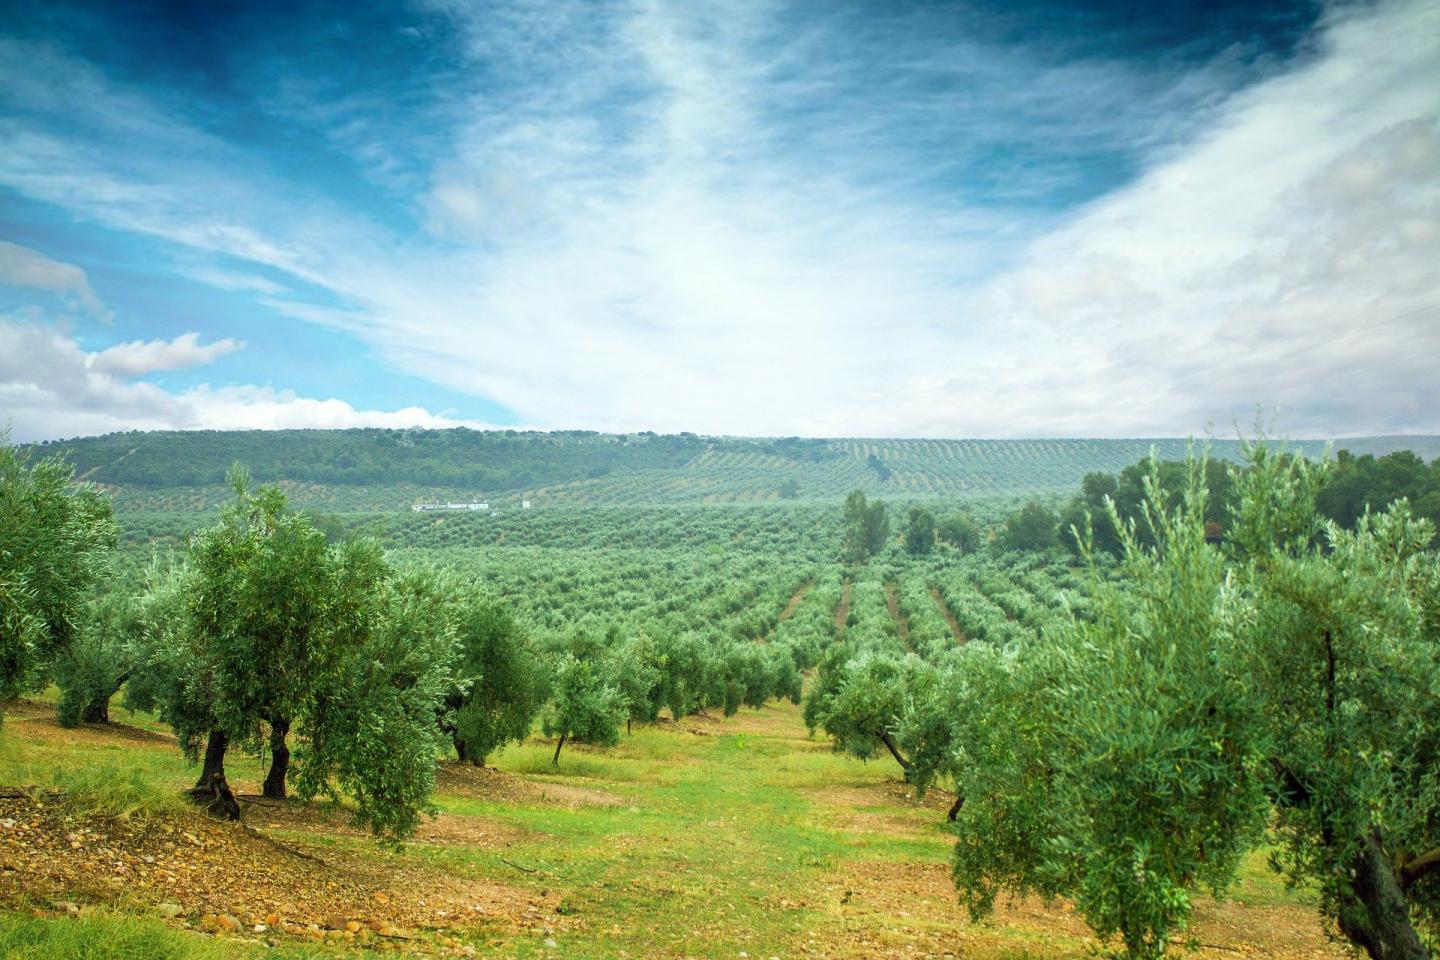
(962, 219)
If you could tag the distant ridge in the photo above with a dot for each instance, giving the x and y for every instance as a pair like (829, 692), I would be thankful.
(388, 469)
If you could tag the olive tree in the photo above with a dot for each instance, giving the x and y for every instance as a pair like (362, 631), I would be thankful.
(637, 668)
(1285, 687)
(867, 527)
(264, 583)
(55, 538)
(100, 659)
(500, 681)
(960, 531)
(1340, 646)
(584, 705)
(1117, 762)
(858, 697)
(920, 531)
(269, 631)
(370, 733)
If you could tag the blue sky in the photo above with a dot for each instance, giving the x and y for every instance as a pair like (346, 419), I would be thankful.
(929, 219)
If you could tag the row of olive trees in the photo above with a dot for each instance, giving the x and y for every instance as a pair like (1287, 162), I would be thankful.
(263, 634)
(1277, 690)
(266, 636)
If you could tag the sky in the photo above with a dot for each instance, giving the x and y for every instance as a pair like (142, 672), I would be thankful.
(898, 218)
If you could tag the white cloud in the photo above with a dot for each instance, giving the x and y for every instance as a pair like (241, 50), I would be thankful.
(23, 267)
(1287, 259)
(779, 236)
(140, 357)
(50, 387)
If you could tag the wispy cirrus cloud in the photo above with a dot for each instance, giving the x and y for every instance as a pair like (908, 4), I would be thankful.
(775, 218)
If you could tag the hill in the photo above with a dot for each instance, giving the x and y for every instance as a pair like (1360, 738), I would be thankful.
(381, 470)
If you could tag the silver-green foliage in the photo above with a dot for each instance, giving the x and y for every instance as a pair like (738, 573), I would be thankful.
(1119, 762)
(1129, 760)
(55, 538)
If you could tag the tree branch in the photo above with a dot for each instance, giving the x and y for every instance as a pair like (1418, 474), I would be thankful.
(1419, 866)
(890, 745)
(1294, 792)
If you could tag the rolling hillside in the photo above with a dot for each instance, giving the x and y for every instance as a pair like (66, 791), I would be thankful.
(381, 470)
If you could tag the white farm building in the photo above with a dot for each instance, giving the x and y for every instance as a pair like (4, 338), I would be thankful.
(473, 505)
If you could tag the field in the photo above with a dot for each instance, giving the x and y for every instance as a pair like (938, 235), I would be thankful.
(708, 838)
(756, 803)
(702, 838)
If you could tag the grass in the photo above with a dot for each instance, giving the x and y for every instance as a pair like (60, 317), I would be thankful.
(699, 840)
(116, 793)
(99, 934)
(103, 935)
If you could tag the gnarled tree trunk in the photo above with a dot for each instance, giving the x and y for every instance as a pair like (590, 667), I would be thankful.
(1374, 913)
(98, 709)
(555, 760)
(274, 787)
(214, 759)
(463, 754)
(894, 752)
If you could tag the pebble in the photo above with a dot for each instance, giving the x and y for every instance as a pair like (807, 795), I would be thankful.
(550, 943)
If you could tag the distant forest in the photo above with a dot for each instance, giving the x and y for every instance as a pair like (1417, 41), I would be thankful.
(341, 466)
(487, 460)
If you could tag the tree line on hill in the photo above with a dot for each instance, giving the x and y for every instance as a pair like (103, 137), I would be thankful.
(1353, 486)
(479, 460)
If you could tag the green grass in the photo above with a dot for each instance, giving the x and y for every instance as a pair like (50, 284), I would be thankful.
(103, 935)
(98, 934)
(697, 841)
(117, 793)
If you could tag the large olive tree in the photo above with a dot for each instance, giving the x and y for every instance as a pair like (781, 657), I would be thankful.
(55, 538)
(270, 632)
(1286, 688)
(1339, 643)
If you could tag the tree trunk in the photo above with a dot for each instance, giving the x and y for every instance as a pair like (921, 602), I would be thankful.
(463, 754)
(214, 758)
(890, 745)
(628, 729)
(98, 709)
(1373, 913)
(555, 760)
(279, 760)
(955, 809)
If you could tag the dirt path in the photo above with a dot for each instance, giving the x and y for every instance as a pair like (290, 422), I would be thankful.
(902, 622)
(789, 610)
(842, 612)
(949, 617)
(796, 600)
(86, 474)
